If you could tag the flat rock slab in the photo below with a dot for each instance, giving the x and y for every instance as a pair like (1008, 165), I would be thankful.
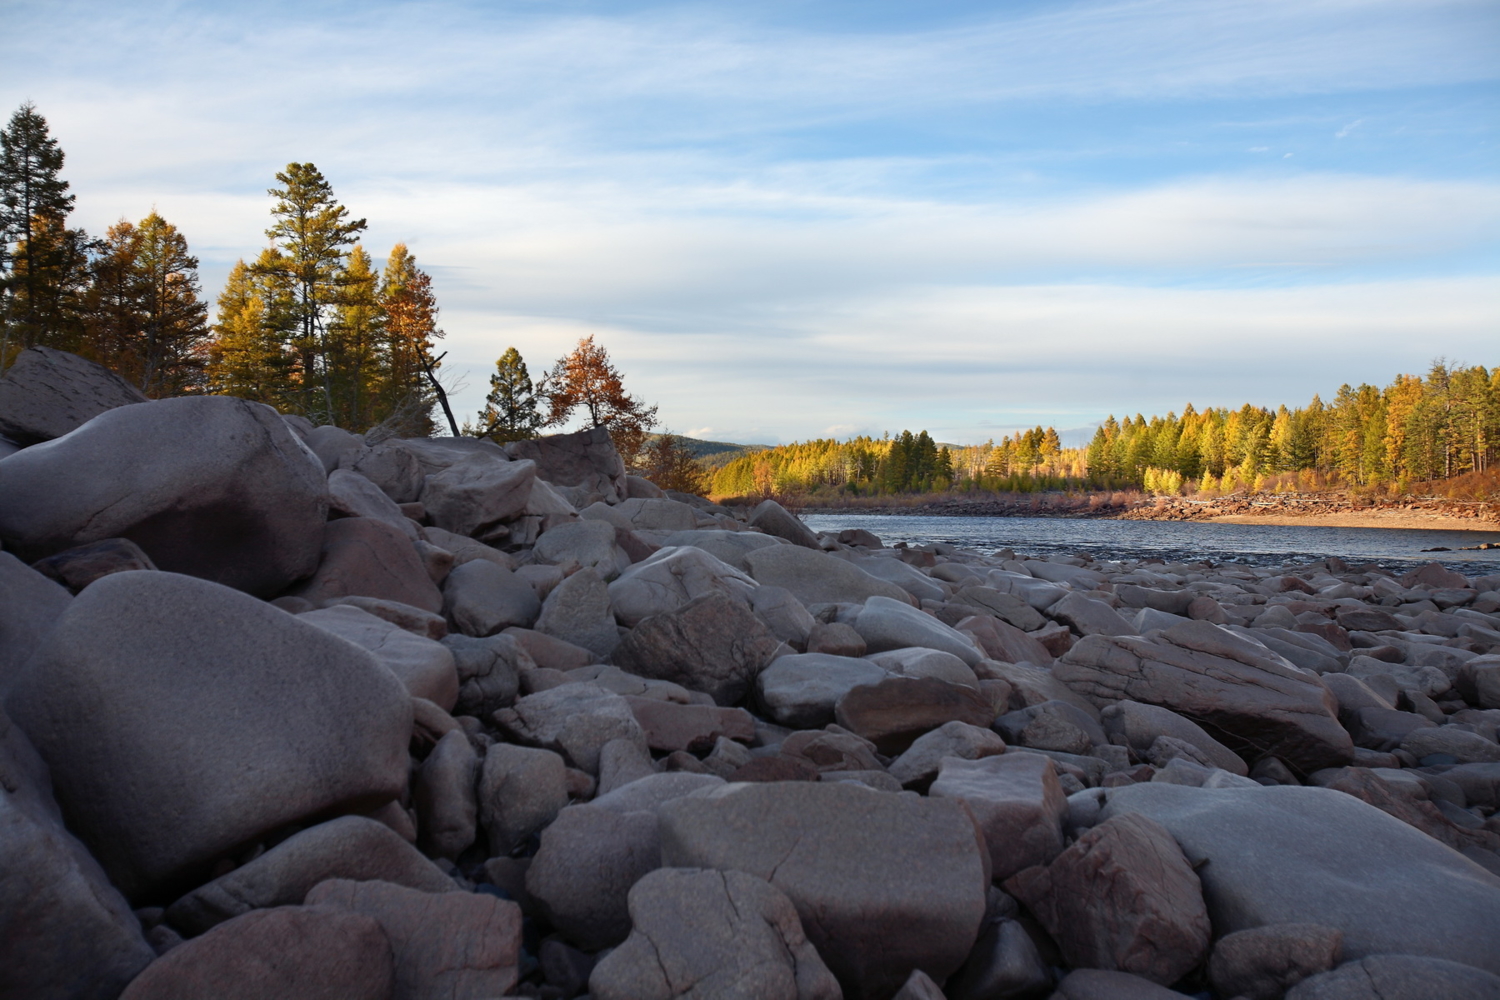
(1290, 854)
(694, 728)
(817, 577)
(895, 711)
(1017, 801)
(210, 486)
(883, 883)
(1245, 696)
(182, 720)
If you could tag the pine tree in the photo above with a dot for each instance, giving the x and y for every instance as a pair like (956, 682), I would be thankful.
(357, 347)
(246, 357)
(586, 378)
(510, 409)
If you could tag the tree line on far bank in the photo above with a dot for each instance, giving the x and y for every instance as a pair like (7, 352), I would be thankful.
(311, 325)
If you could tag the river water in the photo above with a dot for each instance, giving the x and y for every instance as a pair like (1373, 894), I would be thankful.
(1255, 544)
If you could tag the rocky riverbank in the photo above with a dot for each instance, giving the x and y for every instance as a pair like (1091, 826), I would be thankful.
(291, 712)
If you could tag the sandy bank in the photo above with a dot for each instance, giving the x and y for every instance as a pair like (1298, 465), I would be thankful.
(1372, 519)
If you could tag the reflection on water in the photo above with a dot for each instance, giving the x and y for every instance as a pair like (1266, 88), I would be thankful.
(1259, 544)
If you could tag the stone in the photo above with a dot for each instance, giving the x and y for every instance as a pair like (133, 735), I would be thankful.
(1007, 607)
(835, 639)
(1467, 747)
(910, 579)
(331, 444)
(621, 762)
(550, 651)
(588, 543)
(1434, 576)
(475, 497)
(1050, 725)
(728, 935)
(1004, 642)
(816, 577)
(783, 614)
(803, 689)
(47, 393)
(919, 765)
(832, 749)
(78, 567)
(1016, 800)
(521, 790)
(444, 945)
(1138, 726)
(575, 720)
(918, 662)
(424, 666)
(887, 624)
(774, 519)
(414, 620)
(444, 796)
(64, 930)
(578, 612)
(481, 599)
(29, 606)
(1479, 682)
(156, 690)
(820, 843)
(585, 459)
(694, 728)
(1004, 963)
(367, 558)
(670, 579)
(465, 549)
(352, 495)
(1090, 617)
(1173, 602)
(918, 985)
(210, 486)
(729, 547)
(488, 672)
(1100, 984)
(1286, 854)
(894, 711)
(581, 876)
(1399, 977)
(392, 466)
(352, 847)
(649, 793)
(713, 644)
(657, 515)
(1246, 697)
(1262, 963)
(1122, 897)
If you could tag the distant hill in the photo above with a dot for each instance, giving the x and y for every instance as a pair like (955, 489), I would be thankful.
(717, 454)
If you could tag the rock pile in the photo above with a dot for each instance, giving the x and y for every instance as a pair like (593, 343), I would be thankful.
(291, 712)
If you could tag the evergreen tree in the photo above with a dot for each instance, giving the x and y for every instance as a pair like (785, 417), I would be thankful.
(510, 409)
(357, 345)
(246, 356)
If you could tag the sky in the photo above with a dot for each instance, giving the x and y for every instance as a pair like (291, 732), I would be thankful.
(791, 219)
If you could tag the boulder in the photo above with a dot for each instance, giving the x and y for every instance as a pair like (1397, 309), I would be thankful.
(64, 930)
(1087, 616)
(182, 720)
(728, 935)
(1050, 725)
(1288, 854)
(894, 711)
(1008, 607)
(695, 728)
(790, 622)
(883, 883)
(1246, 697)
(1123, 898)
(816, 577)
(444, 945)
(362, 557)
(588, 543)
(488, 672)
(352, 847)
(713, 644)
(578, 612)
(1099, 984)
(581, 876)
(904, 575)
(1004, 963)
(1016, 800)
(586, 459)
(443, 794)
(47, 393)
(649, 793)
(915, 661)
(575, 720)
(801, 690)
(307, 952)
(919, 765)
(1262, 963)
(521, 790)
(836, 639)
(331, 444)
(352, 495)
(729, 547)
(424, 666)
(475, 497)
(1434, 576)
(414, 620)
(887, 624)
(671, 578)
(1137, 726)
(481, 598)
(1004, 642)
(465, 549)
(657, 514)
(210, 486)
(1399, 977)
(29, 606)
(774, 519)
(1467, 747)
(393, 466)
(76, 568)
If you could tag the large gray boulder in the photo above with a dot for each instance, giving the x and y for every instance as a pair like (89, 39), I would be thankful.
(907, 577)
(578, 611)
(210, 486)
(801, 690)
(424, 666)
(1290, 854)
(713, 644)
(887, 624)
(729, 547)
(817, 577)
(774, 519)
(481, 598)
(1399, 977)
(1245, 696)
(181, 720)
(581, 876)
(1137, 726)
(1017, 801)
(883, 883)
(728, 935)
(670, 578)
(64, 930)
(365, 557)
(46, 393)
(475, 497)
(29, 605)
(352, 847)
(352, 495)
(588, 543)
(1087, 616)
(521, 790)
(575, 720)
(586, 459)
(390, 465)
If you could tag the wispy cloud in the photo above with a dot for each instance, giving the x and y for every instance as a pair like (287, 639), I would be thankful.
(1343, 132)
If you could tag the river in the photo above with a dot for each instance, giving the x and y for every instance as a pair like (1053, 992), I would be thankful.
(1256, 544)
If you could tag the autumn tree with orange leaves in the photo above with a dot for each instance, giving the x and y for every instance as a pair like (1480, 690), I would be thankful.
(586, 379)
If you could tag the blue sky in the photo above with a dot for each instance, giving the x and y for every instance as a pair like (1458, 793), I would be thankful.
(793, 219)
